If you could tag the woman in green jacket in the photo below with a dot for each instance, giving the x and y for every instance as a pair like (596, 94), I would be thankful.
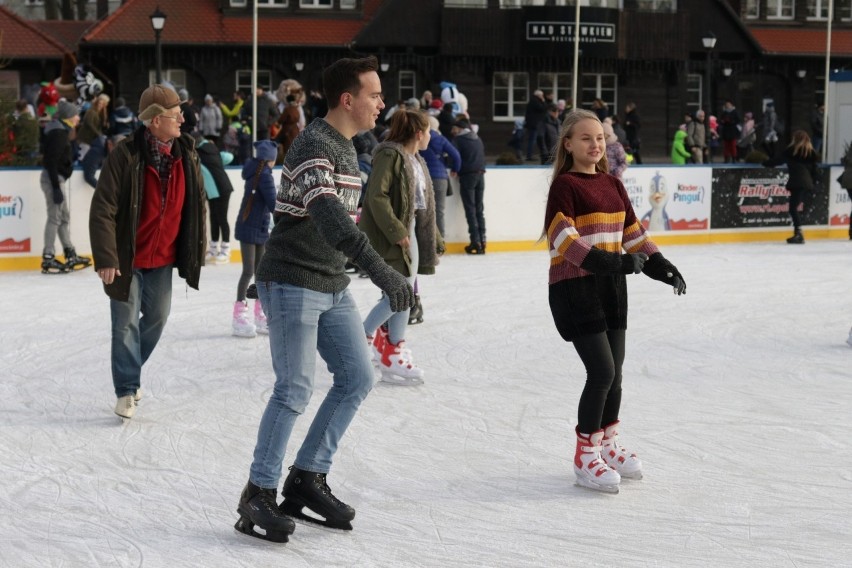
(398, 216)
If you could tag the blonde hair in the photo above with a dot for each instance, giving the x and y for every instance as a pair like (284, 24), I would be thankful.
(563, 160)
(801, 144)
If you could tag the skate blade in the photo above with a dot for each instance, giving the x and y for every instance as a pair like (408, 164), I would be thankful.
(396, 380)
(77, 267)
(245, 527)
(318, 522)
(635, 476)
(611, 489)
(54, 270)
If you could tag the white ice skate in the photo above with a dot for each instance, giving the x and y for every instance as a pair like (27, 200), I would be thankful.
(396, 366)
(377, 343)
(125, 406)
(260, 324)
(591, 470)
(621, 460)
(224, 254)
(241, 326)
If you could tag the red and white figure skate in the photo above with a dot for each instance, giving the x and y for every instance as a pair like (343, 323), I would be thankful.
(621, 460)
(377, 343)
(397, 367)
(591, 470)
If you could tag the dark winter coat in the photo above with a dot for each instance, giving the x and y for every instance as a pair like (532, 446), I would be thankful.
(632, 125)
(209, 155)
(535, 113)
(802, 170)
(56, 152)
(730, 121)
(258, 202)
(389, 210)
(122, 122)
(117, 202)
(434, 156)
(472, 152)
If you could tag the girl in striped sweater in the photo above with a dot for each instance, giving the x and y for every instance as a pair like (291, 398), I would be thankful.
(589, 220)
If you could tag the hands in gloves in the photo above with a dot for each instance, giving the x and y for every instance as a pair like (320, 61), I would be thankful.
(632, 263)
(399, 291)
(661, 269)
(58, 198)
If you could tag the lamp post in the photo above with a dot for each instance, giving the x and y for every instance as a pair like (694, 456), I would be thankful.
(158, 22)
(709, 41)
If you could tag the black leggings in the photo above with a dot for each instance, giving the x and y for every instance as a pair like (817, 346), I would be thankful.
(796, 196)
(603, 355)
(251, 254)
(219, 218)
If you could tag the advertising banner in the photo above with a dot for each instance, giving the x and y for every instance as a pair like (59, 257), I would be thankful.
(839, 203)
(14, 222)
(758, 197)
(670, 199)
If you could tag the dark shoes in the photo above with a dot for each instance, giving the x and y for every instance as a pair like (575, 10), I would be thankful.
(475, 248)
(309, 489)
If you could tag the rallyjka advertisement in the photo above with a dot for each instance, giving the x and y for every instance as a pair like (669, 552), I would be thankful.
(670, 199)
(750, 198)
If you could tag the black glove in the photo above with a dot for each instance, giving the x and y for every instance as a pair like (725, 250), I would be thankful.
(251, 292)
(58, 198)
(661, 269)
(398, 290)
(632, 263)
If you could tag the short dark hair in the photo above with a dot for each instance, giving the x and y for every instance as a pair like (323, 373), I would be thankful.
(344, 76)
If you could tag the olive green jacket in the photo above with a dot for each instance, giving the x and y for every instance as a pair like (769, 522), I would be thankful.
(388, 210)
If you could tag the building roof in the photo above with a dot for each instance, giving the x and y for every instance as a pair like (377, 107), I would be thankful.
(66, 32)
(22, 40)
(804, 41)
(201, 22)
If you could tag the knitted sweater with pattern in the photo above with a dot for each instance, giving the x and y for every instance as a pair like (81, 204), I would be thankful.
(589, 221)
(315, 206)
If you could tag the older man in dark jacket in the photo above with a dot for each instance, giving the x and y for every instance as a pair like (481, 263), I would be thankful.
(146, 217)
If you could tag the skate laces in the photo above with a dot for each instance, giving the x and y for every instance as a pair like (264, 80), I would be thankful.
(326, 490)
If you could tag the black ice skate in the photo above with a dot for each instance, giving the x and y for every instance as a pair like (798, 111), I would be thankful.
(415, 316)
(49, 265)
(258, 509)
(74, 262)
(309, 489)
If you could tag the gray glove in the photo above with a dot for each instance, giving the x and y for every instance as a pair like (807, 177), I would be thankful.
(632, 263)
(398, 290)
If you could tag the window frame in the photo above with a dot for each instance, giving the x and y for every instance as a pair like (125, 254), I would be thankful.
(599, 90)
(406, 74)
(246, 88)
(510, 102)
(779, 8)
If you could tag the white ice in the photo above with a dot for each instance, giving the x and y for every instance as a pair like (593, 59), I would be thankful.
(736, 397)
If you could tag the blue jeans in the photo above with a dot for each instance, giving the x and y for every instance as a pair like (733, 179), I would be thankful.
(302, 322)
(472, 190)
(382, 312)
(134, 337)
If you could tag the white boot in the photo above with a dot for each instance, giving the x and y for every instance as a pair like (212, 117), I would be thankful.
(624, 462)
(125, 406)
(242, 325)
(397, 366)
(212, 251)
(224, 256)
(590, 469)
(377, 343)
(260, 318)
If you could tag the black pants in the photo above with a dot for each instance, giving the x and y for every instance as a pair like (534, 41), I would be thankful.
(796, 196)
(603, 356)
(219, 218)
(472, 190)
(251, 254)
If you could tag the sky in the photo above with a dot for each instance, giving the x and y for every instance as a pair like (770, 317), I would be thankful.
(736, 398)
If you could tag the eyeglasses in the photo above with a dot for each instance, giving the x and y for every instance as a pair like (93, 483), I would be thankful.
(178, 116)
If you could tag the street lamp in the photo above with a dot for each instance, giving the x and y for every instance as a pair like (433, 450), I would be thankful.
(709, 41)
(158, 22)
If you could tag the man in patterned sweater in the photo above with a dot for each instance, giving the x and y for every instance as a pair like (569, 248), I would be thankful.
(303, 290)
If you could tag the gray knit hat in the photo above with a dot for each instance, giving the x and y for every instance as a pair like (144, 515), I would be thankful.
(65, 110)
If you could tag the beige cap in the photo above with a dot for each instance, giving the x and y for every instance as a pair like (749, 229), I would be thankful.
(156, 100)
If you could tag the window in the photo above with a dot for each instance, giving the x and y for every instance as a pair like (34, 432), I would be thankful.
(844, 9)
(407, 85)
(817, 9)
(314, 3)
(694, 92)
(238, 3)
(779, 9)
(752, 9)
(657, 5)
(556, 84)
(348, 4)
(176, 77)
(9, 81)
(510, 94)
(465, 3)
(264, 79)
(590, 3)
(272, 3)
(599, 86)
(34, 3)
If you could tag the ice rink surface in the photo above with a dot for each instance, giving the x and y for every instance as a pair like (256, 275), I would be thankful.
(736, 398)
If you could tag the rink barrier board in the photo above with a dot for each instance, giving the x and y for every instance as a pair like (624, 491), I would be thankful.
(750, 204)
